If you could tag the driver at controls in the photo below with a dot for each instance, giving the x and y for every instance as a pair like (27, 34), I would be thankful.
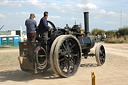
(43, 28)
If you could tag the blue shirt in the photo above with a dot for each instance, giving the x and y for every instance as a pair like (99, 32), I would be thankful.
(30, 25)
(43, 26)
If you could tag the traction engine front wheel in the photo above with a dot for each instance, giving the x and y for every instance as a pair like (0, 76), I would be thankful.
(100, 54)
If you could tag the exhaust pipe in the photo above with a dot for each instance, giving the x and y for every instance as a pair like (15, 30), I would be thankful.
(86, 23)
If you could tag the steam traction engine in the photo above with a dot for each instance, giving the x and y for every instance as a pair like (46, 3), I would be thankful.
(63, 51)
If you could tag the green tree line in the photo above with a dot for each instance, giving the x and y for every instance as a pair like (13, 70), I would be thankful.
(110, 33)
(113, 36)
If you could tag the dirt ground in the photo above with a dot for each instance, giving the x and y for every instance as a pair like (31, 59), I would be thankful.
(113, 72)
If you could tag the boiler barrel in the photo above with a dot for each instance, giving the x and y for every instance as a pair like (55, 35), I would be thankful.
(86, 42)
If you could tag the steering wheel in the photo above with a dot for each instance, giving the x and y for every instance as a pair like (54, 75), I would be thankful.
(53, 30)
(39, 37)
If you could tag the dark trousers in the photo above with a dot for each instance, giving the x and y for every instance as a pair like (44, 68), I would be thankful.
(31, 37)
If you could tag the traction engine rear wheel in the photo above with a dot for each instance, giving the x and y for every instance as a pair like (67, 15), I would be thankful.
(51, 58)
(67, 56)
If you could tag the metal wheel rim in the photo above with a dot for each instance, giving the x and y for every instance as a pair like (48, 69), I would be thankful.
(52, 53)
(68, 64)
(102, 55)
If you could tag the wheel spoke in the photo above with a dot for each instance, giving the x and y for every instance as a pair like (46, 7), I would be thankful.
(100, 51)
(62, 64)
(62, 53)
(102, 59)
(72, 63)
(103, 54)
(67, 45)
(41, 55)
(72, 54)
(62, 59)
(72, 46)
(64, 47)
(67, 67)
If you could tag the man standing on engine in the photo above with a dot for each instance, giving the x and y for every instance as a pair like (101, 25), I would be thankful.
(31, 26)
(43, 28)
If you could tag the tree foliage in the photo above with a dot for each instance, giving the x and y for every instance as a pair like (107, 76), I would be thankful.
(97, 31)
(110, 33)
(122, 31)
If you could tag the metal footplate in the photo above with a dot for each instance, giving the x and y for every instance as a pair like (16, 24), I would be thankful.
(25, 64)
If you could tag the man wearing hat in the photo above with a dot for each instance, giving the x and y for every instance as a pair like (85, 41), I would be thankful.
(31, 26)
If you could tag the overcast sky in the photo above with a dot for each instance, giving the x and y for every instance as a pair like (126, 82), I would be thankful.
(104, 14)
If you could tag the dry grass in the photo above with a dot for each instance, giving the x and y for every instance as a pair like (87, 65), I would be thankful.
(12, 47)
(117, 40)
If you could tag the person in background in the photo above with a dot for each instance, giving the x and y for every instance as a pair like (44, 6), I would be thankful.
(102, 37)
(43, 28)
(105, 36)
(95, 38)
(31, 26)
(98, 38)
